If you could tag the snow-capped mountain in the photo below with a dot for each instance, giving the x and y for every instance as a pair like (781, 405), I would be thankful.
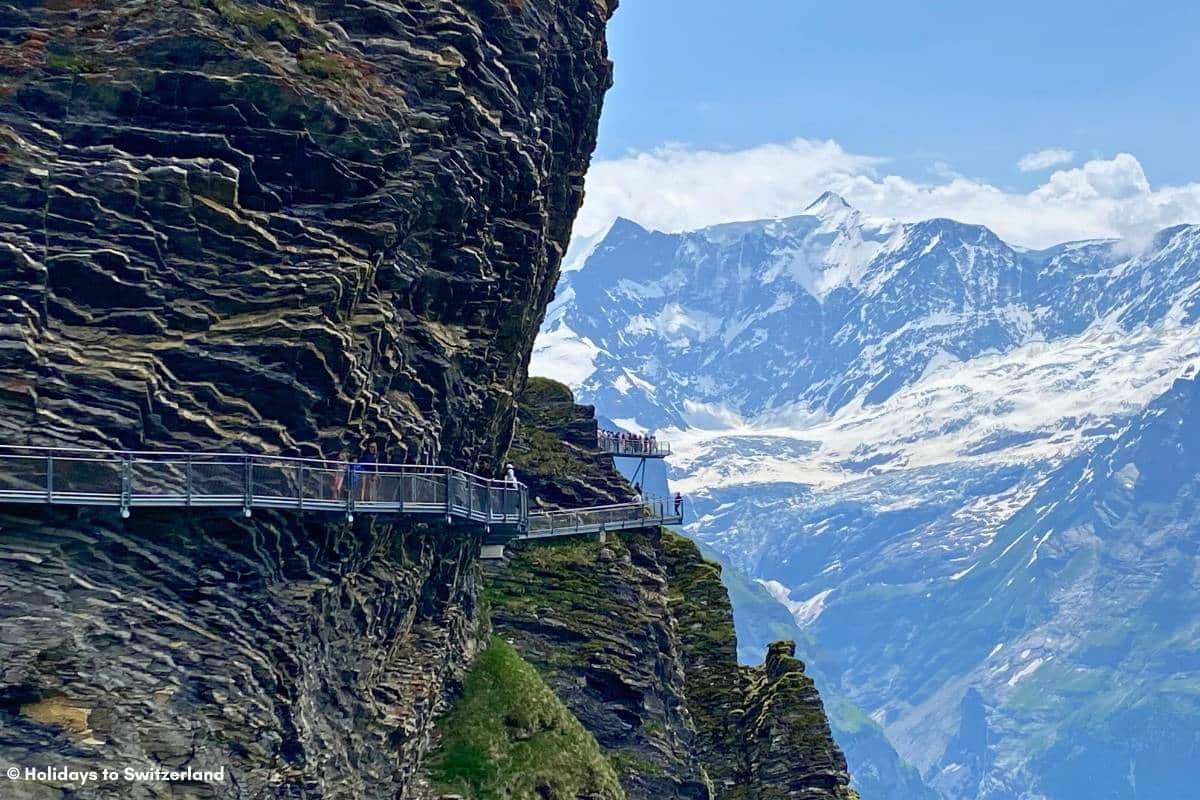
(920, 438)
(784, 318)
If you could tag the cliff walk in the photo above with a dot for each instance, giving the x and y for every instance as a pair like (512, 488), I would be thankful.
(130, 479)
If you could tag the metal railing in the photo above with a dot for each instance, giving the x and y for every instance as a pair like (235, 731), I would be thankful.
(632, 445)
(623, 516)
(132, 479)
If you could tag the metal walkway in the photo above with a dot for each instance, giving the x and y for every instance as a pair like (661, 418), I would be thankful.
(129, 479)
(619, 517)
(125, 480)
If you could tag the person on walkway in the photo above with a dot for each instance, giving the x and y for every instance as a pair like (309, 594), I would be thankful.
(368, 463)
(678, 503)
(509, 498)
(637, 493)
(340, 468)
(393, 458)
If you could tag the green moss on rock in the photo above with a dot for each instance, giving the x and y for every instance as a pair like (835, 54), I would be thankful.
(509, 736)
(636, 635)
(322, 65)
(555, 450)
(263, 19)
(71, 62)
(543, 391)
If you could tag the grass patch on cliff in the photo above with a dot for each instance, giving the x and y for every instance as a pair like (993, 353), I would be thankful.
(265, 20)
(545, 454)
(509, 736)
(71, 62)
(542, 391)
(322, 65)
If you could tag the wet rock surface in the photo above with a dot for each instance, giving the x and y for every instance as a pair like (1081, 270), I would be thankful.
(274, 227)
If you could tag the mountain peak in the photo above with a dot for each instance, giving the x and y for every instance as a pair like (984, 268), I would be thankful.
(827, 204)
(624, 224)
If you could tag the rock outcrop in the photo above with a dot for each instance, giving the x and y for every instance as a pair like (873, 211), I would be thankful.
(555, 451)
(635, 634)
(595, 620)
(277, 227)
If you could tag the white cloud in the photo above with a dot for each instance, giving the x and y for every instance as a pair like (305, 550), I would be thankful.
(1044, 159)
(677, 188)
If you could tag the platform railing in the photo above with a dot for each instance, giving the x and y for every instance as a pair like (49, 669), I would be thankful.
(636, 446)
(132, 479)
(641, 514)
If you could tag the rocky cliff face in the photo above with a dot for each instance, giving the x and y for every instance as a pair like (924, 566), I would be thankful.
(272, 227)
(266, 222)
(636, 636)
(554, 451)
(307, 660)
(762, 731)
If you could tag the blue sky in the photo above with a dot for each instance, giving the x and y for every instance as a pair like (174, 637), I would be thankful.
(1047, 122)
(967, 86)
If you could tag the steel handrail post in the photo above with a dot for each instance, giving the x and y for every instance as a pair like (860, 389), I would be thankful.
(187, 481)
(300, 487)
(50, 478)
(248, 500)
(126, 485)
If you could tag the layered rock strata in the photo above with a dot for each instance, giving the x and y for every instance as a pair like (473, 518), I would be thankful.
(272, 227)
(267, 223)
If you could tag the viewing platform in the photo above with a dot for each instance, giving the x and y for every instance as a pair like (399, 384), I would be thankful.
(632, 444)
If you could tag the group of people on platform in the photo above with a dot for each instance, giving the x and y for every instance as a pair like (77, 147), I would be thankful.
(363, 470)
(625, 442)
